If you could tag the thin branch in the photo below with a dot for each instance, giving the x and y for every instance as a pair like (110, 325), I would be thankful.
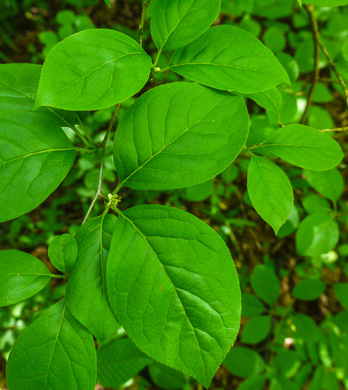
(316, 39)
(103, 145)
(142, 22)
(335, 129)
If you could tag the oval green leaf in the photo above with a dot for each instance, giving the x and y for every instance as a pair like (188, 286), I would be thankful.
(92, 70)
(304, 147)
(256, 330)
(270, 191)
(265, 284)
(21, 276)
(119, 361)
(231, 59)
(86, 291)
(173, 286)
(317, 234)
(175, 23)
(62, 252)
(341, 291)
(244, 362)
(54, 352)
(179, 135)
(308, 289)
(329, 183)
(35, 157)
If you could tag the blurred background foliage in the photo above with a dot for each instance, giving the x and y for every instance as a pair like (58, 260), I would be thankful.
(294, 330)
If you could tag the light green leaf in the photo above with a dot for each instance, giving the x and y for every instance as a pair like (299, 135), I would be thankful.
(265, 284)
(107, 2)
(179, 135)
(251, 305)
(328, 183)
(308, 289)
(315, 204)
(62, 252)
(21, 276)
(86, 291)
(54, 352)
(300, 2)
(270, 191)
(167, 378)
(119, 361)
(91, 70)
(256, 330)
(341, 291)
(244, 362)
(175, 23)
(229, 58)
(35, 156)
(164, 264)
(304, 147)
(317, 234)
(270, 100)
(327, 3)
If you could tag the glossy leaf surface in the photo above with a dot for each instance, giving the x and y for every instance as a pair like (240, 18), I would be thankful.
(304, 147)
(175, 23)
(54, 352)
(174, 288)
(178, 135)
(270, 191)
(119, 361)
(86, 291)
(229, 58)
(62, 252)
(21, 276)
(91, 70)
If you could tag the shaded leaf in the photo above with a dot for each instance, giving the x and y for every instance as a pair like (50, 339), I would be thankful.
(265, 284)
(62, 252)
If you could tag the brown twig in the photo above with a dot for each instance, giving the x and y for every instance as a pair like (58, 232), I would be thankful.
(316, 35)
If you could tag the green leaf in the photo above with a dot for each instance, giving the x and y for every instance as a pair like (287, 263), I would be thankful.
(62, 252)
(251, 306)
(86, 291)
(254, 383)
(317, 234)
(306, 328)
(341, 291)
(54, 352)
(315, 204)
(174, 288)
(91, 70)
(265, 284)
(328, 183)
(21, 276)
(244, 362)
(256, 330)
(270, 191)
(304, 147)
(178, 135)
(107, 2)
(270, 100)
(327, 3)
(166, 378)
(119, 361)
(229, 58)
(33, 160)
(175, 23)
(309, 289)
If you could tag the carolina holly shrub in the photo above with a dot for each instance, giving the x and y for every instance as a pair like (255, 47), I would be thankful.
(158, 274)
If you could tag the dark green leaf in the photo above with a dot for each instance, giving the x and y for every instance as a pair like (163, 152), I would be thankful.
(231, 59)
(55, 352)
(256, 330)
(166, 378)
(251, 306)
(244, 362)
(174, 288)
(265, 284)
(91, 70)
(119, 361)
(21, 276)
(341, 291)
(62, 252)
(326, 3)
(175, 23)
(304, 147)
(86, 292)
(309, 289)
(178, 135)
(270, 191)
(306, 328)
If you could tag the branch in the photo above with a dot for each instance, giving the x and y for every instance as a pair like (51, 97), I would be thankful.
(316, 39)
(142, 22)
(335, 129)
(103, 146)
